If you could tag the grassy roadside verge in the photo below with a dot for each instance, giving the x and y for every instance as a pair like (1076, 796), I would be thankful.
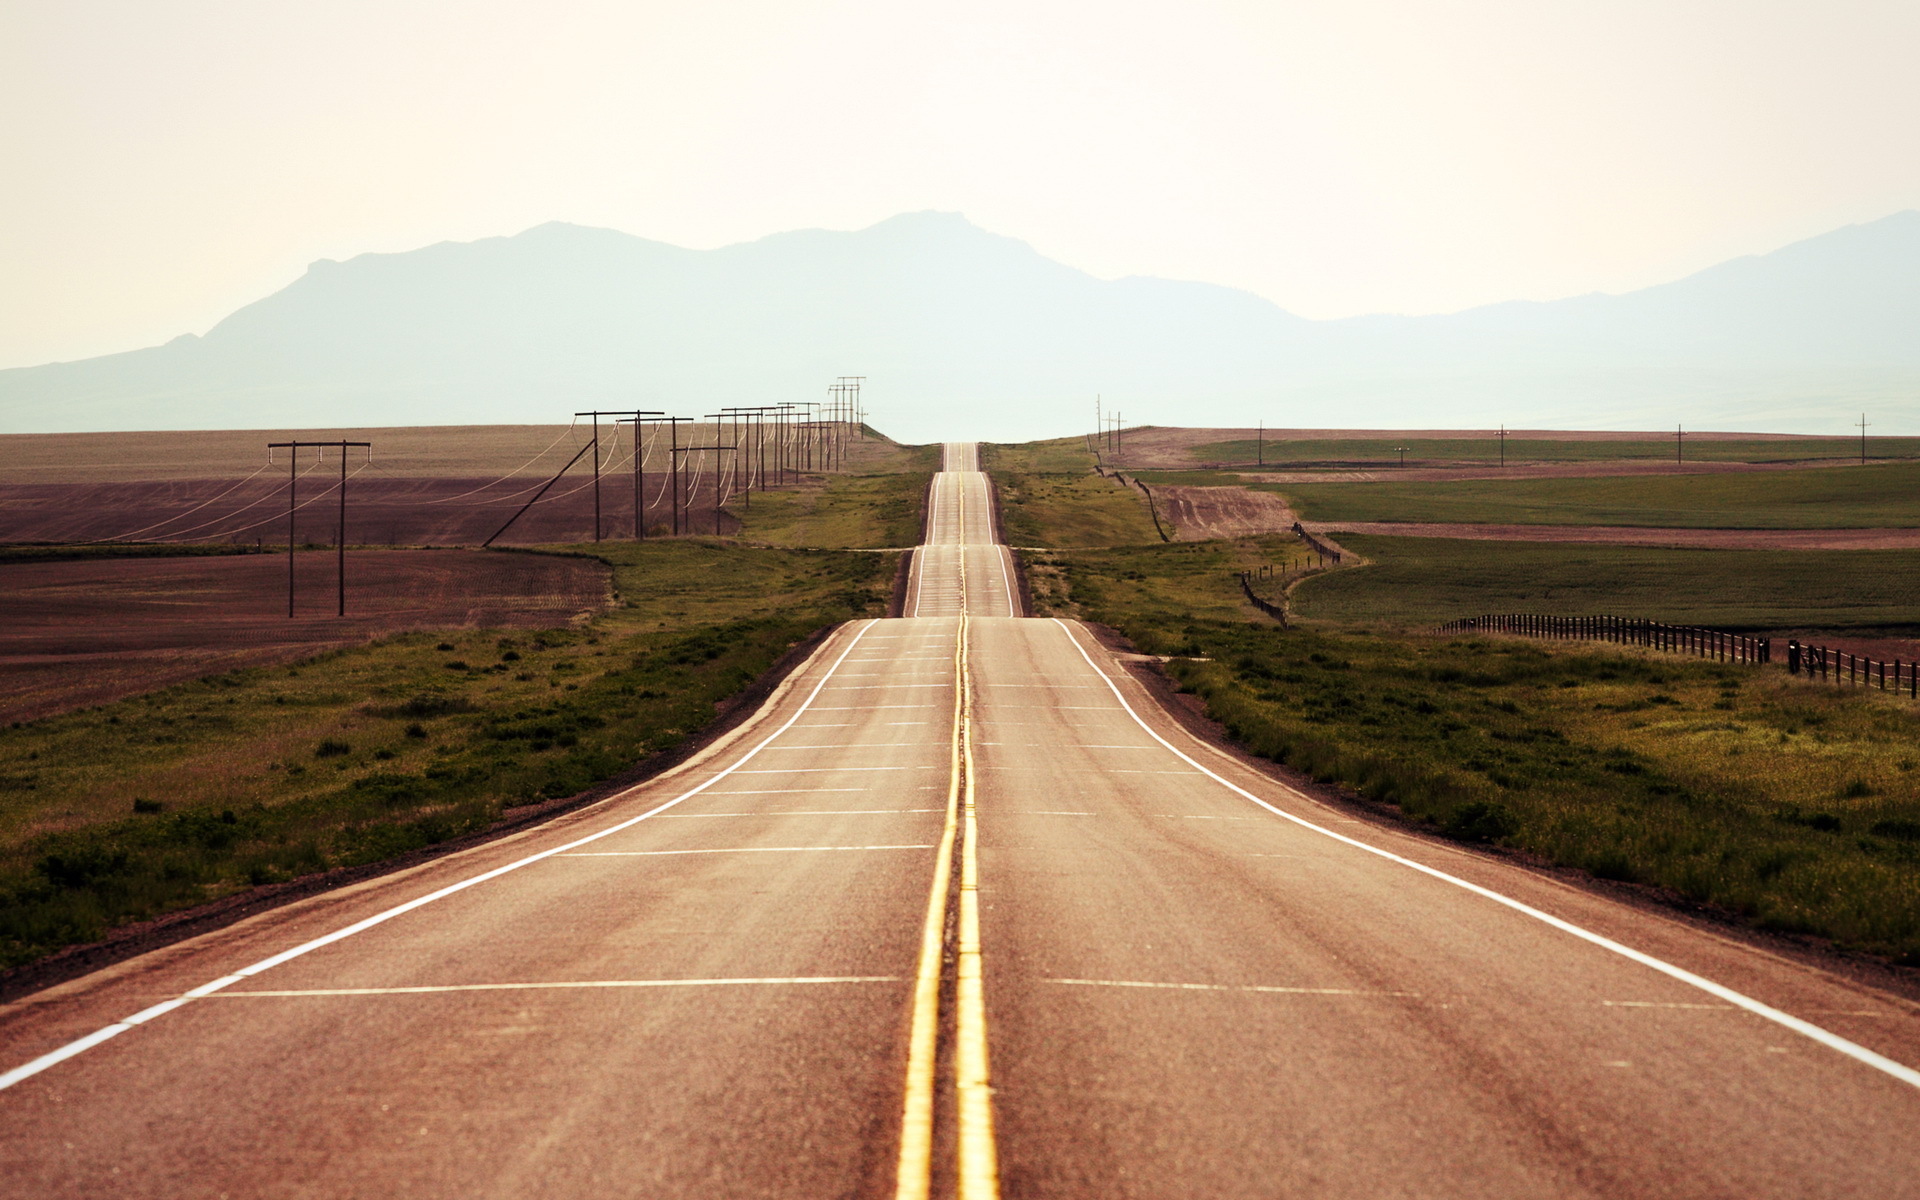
(1050, 497)
(1789, 807)
(165, 801)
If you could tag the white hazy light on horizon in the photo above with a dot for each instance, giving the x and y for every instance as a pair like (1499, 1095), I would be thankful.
(169, 162)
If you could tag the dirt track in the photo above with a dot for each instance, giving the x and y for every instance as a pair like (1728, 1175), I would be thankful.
(83, 632)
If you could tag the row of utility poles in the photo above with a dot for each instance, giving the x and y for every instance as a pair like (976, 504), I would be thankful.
(766, 446)
(1679, 441)
(754, 447)
(1107, 428)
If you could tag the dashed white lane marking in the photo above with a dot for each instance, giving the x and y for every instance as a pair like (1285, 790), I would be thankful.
(728, 850)
(431, 989)
(1055, 746)
(1807, 1029)
(782, 792)
(826, 770)
(802, 812)
(1228, 987)
(851, 746)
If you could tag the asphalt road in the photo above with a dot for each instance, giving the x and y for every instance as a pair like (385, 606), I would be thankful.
(962, 910)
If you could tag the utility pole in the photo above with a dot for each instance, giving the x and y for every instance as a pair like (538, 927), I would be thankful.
(755, 416)
(1260, 445)
(1863, 439)
(1679, 437)
(293, 457)
(1402, 451)
(674, 464)
(637, 419)
(1503, 445)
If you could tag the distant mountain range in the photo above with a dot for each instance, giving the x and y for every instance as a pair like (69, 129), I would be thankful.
(963, 333)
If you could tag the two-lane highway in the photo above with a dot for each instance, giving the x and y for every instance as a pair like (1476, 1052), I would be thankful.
(962, 911)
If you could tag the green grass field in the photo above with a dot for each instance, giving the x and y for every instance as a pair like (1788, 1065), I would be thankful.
(871, 509)
(1423, 582)
(120, 813)
(1050, 497)
(1784, 804)
(1380, 452)
(1877, 496)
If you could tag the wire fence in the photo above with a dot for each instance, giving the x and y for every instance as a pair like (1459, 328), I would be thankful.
(1824, 663)
(1324, 549)
(1717, 644)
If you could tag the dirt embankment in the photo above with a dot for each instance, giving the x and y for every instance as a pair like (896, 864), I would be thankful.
(1199, 513)
(77, 633)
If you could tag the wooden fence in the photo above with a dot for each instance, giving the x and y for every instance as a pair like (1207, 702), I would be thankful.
(1277, 611)
(1320, 547)
(1626, 631)
(1837, 666)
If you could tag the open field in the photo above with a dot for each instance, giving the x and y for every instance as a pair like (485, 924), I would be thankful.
(1522, 449)
(1874, 496)
(85, 631)
(1175, 448)
(463, 683)
(1772, 800)
(868, 509)
(1422, 582)
(1050, 497)
(205, 788)
(453, 486)
(533, 452)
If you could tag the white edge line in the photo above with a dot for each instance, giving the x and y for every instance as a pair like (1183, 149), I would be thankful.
(1832, 1041)
(55, 1057)
(432, 989)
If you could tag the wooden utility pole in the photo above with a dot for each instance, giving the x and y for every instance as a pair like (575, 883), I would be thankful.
(1679, 441)
(1863, 439)
(293, 457)
(1503, 445)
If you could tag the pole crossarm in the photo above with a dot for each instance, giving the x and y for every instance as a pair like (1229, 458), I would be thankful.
(293, 449)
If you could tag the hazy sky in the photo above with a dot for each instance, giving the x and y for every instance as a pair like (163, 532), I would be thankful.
(162, 163)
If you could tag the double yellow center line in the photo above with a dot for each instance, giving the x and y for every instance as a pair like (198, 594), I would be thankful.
(977, 1166)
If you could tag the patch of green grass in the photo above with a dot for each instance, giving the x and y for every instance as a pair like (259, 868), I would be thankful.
(358, 755)
(1060, 456)
(1820, 498)
(1377, 452)
(1423, 582)
(1050, 497)
(866, 510)
(1794, 807)
(37, 553)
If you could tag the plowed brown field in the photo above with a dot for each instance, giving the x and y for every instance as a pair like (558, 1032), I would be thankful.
(76, 633)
